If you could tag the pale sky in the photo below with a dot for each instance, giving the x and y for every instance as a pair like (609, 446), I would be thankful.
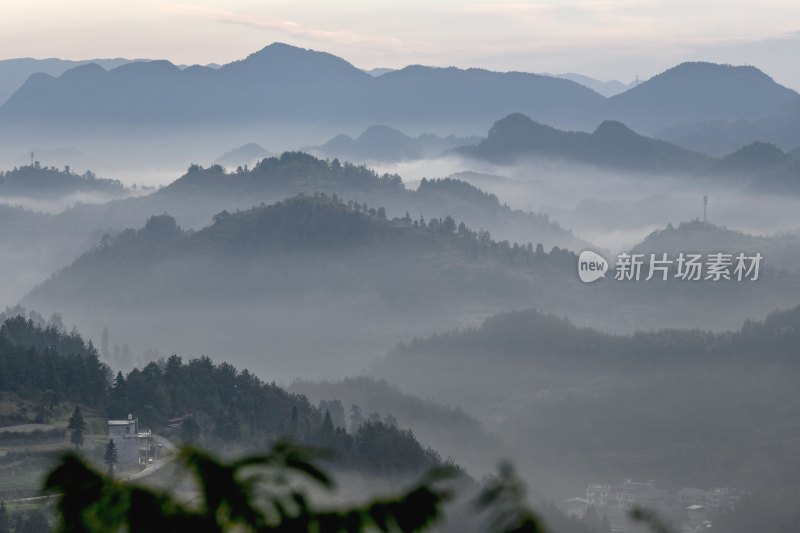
(604, 39)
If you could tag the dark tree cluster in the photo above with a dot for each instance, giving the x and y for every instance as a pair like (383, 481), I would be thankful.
(221, 406)
(49, 364)
(225, 407)
(314, 223)
(37, 180)
(532, 333)
(322, 221)
(287, 168)
(460, 188)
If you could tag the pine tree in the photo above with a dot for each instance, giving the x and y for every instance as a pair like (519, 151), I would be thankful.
(110, 457)
(327, 424)
(77, 426)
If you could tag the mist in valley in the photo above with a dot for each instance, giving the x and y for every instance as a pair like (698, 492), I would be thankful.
(389, 269)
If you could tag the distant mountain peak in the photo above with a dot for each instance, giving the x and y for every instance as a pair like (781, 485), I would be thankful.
(614, 128)
(288, 58)
(276, 49)
(696, 92)
(756, 156)
(516, 123)
(382, 132)
(613, 144)
(89, 69)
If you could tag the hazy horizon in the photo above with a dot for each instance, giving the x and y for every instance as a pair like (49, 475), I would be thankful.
(593, 279)
(610, 40)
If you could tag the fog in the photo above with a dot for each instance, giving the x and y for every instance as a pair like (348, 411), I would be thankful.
(611, 209)
(415, 313)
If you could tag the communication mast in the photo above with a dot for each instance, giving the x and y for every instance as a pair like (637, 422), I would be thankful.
(705, 208)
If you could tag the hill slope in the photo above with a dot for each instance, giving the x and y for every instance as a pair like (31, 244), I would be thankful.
(768, 169)
(282, 82)
(284, 286)
(652, 404)
(382, 143)
(35, 181)
(199, 194)
(782, 251)
(304, 272)
(441, 427)
(700, 92)
(14, 72)
(611, 145)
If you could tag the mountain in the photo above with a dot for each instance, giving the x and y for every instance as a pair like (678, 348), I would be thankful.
(277, 286)
(779, 251)
(231, 409)
(795, 153)
(768, 168)
(247, 154)
(471, 98)
(36, 181)
(199, 194)
(606, 88)
(718, 137)
(285, 83)
(14, 72)
(304, 272)
(698, 93)
(558, 390)
(611, 145)
(379, 71)
(195, 197)
(291, 96)
(382, 143)
(440, 427)
(41, 244)
(755, 157)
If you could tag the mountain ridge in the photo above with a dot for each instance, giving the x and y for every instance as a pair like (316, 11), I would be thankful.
(612, 144)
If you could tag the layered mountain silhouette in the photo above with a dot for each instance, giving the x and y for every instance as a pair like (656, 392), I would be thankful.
(700, 92)
(718, 137)
(14, 72)
(202, 192)
(606, 88)
(36, 181)
(558, 380)
(273, 286)
(612, 145)
(247, 154)
(779, 251)
(438, 426)
(285, 83)
(282, 82)
(765, 166)
(761, 166)
(298, 262)
(382, 143)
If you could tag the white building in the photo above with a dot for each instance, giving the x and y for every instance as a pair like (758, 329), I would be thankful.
(134, 445)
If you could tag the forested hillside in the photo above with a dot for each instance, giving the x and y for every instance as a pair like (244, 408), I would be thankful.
(230, 409)
(36, 181)
(680, 406)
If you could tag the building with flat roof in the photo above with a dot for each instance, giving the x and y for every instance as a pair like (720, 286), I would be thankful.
(134, 444)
